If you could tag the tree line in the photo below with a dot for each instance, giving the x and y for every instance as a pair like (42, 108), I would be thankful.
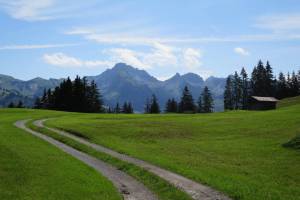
(239, 87)
(74, 96)
(186, 104)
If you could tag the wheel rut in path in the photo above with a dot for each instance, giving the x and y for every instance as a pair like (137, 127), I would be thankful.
(130, 188)
(196, 190)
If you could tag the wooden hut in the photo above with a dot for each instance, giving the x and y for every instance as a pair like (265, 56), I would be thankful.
(263, 103)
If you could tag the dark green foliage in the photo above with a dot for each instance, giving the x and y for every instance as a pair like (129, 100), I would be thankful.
(239, 89)
(281, 90)
(171, 106)
(186, 104)
(11, 105)
(208, 103)
(127, 108)
(228, 96)
(76, 96)
(20, 104)
(244, 89)
(117, 109)
(154, 106)
(200, 105)
(147, 106)
(293, 143)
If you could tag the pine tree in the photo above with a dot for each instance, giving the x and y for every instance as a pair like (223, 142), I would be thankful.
(147, 106)
(174, 106)
(125, 107)
(208, 103)
(258, 80)
(130, 108)
(200, 105)
(37, 104)
(294, 85)
(11, 105)
(154, 106)
(187, 102)
(171, 106)
(20, 104)
(228, 96)
(237, 91)
(281, 89)
(269, 82)
(245, 89)
(79, 96)
(117, 108)
(168, 108)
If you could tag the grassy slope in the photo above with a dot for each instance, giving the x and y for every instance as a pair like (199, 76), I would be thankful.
(162, 189)
(289, 102)
(33, 169)
(239, 153)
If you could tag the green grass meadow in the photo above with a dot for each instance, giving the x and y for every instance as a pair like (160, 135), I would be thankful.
(33, 169)
(240, 153)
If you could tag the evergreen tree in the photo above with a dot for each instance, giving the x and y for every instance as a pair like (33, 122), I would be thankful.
(174, 106)
(237, 91)
(125, 107)
(187, 102)
(258, 80)
(171, 106)
(281, 89)
(20, 104)
(129, 108)
(154, 106)
(245, 89)
(294, 85)
(37, 104)
(11, 105)
(147, 106)
(117, 108)
(78, 96)
(269, 82)
(208, 103)
(168, 108)
(200, 105)
(228, 94)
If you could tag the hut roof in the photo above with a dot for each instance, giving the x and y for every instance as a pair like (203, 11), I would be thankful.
(265, 99)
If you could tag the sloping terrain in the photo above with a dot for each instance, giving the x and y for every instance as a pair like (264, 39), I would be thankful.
(239, 153)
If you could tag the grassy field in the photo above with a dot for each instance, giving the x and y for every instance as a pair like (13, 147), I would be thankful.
(33, 169)
(239, 153)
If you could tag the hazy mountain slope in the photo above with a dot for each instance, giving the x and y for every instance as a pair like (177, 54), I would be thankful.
(119, 84)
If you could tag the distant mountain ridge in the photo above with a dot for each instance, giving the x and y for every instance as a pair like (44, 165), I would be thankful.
(118, 84)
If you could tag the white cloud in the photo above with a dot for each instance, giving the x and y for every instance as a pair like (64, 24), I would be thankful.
(63, 60)
(127, 56)
(280, 22)
(27, 9)
(192, 58)
(34, 46)
(241, 51)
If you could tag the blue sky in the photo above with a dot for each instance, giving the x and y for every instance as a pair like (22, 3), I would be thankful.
(55, 38)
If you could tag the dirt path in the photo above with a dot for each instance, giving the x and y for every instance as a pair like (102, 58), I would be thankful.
(196, 190)
(127, 186)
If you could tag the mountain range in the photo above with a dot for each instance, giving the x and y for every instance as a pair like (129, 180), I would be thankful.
(119, 84)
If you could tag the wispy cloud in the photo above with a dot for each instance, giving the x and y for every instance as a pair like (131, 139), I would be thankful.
(279, 22)
(27, 9)
(158, 56)
(35, 46)
(241, 51)
(42, 10)
(63, 60)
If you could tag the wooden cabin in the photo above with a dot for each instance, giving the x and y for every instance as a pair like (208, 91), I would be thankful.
(263, 103)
